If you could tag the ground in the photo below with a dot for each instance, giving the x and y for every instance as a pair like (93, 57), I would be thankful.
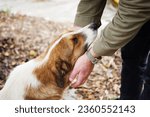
(24, 36)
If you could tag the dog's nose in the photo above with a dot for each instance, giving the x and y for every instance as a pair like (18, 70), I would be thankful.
(94, 26)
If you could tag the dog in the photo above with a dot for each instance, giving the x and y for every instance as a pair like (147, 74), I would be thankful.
(47, 76)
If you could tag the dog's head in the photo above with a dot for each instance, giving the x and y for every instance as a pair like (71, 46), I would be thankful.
(63, 52)
(72, 45)
(68, 48)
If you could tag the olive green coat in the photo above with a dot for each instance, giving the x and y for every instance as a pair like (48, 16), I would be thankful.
(130, 17)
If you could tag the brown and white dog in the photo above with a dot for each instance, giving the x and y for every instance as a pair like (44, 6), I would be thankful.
(46, 76)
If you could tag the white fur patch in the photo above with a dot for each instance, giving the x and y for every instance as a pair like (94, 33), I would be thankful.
(18, 80)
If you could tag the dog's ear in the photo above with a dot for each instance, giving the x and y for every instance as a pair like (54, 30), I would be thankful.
(62, 68)
(59, 79)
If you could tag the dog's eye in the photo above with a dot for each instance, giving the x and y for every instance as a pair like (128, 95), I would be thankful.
(75, 40)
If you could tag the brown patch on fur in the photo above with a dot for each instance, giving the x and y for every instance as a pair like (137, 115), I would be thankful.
(54, 73)
(44, 92)
(41, 57)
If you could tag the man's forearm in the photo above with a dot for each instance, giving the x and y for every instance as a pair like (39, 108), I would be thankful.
(125, 25)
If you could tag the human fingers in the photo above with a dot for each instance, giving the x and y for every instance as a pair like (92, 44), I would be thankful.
(80, 80)
(73, 74)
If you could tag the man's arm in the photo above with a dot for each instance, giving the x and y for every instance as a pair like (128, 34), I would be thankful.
(131, 15)
(89, 11)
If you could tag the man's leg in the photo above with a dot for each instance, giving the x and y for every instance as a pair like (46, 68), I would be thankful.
(134, 56)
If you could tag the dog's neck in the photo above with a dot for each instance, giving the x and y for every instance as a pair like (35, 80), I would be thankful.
(53, 75)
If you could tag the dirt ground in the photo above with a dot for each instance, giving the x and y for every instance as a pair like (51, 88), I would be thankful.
(24, 37)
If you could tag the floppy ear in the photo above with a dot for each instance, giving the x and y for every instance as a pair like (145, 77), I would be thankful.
(62, 68)
(59, 79)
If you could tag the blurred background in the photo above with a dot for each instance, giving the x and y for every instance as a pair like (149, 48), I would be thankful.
(28, 26)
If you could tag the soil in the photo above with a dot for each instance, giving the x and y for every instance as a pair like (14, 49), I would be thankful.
(25, 37)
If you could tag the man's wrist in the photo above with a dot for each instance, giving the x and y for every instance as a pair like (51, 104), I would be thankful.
(92, 56)
(93, 53)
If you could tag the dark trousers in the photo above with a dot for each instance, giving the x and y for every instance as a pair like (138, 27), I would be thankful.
(135, 74)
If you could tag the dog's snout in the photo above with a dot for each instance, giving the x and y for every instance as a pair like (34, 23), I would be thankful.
(94, 26)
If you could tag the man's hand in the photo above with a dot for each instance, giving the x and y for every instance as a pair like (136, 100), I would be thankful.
(82, 70)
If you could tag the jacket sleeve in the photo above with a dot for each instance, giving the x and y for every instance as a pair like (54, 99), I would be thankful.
(130, 17)
(89, 11)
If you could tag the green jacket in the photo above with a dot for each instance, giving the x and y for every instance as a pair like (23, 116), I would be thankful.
(130, 17)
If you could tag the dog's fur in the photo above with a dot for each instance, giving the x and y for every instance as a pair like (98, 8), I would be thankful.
(46, 76)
